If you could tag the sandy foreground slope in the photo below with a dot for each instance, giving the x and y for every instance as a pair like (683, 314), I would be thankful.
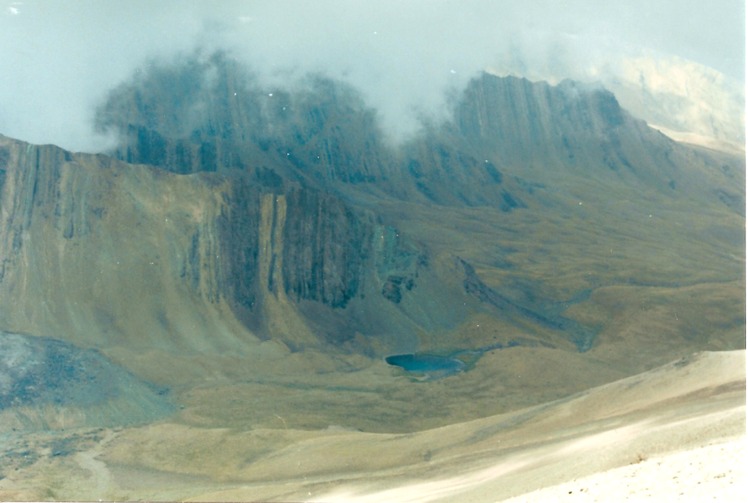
(673, 433)
(715, 472)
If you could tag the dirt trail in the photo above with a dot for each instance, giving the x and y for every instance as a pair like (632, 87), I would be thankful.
(100, 474)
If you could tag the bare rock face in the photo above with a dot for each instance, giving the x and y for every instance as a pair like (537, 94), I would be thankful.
(232, 215)
(210, 115)
(327, 248)
(119, 240)
(206, 115)
(36, 183)
(304, 243)
(322, 136)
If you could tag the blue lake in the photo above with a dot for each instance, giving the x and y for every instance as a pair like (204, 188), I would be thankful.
(431, 365)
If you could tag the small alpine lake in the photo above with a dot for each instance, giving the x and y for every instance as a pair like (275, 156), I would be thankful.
(429, 366)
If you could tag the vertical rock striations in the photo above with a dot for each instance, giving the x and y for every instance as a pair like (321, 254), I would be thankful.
(102, 251)
(326, 248)
(232, 213)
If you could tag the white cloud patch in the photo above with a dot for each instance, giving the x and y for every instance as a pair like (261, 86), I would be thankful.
(60, 58)
(14, 8)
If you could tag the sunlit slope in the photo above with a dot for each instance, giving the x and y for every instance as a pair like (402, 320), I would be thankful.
(665, 275)
(95, 253)
(685, 404)
(242, 248)
(133, 258)
(567, 190)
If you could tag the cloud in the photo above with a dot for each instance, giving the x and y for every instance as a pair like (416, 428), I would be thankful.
(59, 59)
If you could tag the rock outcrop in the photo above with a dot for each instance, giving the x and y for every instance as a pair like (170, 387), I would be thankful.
(232, 214)
(47, 383)
(119, 241)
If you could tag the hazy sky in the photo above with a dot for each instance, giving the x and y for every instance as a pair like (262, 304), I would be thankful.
(59, 58)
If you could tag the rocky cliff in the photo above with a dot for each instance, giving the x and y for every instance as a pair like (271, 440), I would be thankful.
(210, 114)
(238, 220)
(123, 243)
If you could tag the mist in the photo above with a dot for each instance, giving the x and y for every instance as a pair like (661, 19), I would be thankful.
(60, 59)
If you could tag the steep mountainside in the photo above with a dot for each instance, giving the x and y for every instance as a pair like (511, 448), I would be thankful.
(210, 115)
(217, 242)
(244, 237)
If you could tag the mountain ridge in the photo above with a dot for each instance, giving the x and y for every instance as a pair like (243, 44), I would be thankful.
(270, 233)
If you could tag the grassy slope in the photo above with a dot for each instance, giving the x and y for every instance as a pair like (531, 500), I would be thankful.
(684, 404)
(657, 287)
(659, 277)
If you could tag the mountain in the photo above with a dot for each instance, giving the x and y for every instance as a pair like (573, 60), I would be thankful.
(687, 101)
(243, 244)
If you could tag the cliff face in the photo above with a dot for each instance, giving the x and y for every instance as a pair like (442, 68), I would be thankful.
(38, 182)
(326, 249)
(107, 251)
(308, 245)
(93, 248)
(523, 120)
(211, 115)
(554, 132)
(322, 135)
(232, 215)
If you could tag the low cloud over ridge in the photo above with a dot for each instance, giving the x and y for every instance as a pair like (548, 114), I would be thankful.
(60, 59)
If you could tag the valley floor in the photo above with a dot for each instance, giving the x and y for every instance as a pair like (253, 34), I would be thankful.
(675, 432)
